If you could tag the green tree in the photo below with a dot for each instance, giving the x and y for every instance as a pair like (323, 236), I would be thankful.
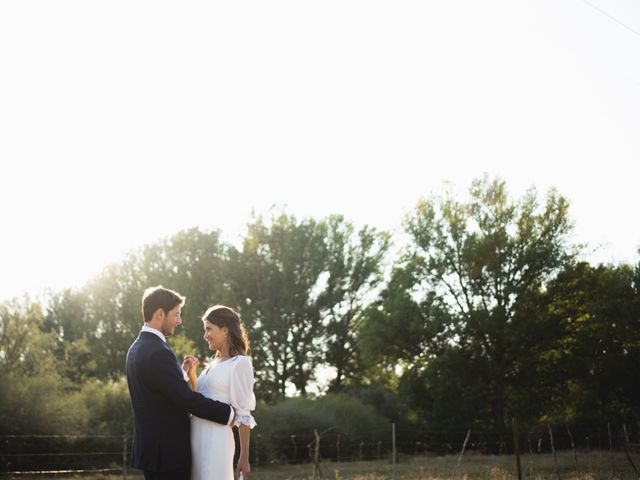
(592, 366)
(24, 347)
(115, 325)
(191, 262)
(66, 317)
(198, 265)
(353, 273)
(276, 280)
(30, 373)
(479, 262)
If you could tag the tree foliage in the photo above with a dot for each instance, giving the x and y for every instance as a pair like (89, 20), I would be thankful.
(485, 313)
(458, 294)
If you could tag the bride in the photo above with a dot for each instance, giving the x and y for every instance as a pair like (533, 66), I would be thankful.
(227, 378)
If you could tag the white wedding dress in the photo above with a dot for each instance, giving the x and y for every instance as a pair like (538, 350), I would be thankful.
(212, 444)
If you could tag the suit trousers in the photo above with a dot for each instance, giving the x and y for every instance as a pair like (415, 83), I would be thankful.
(178, 474)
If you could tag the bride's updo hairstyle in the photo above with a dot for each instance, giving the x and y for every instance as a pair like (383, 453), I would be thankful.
(227, 317)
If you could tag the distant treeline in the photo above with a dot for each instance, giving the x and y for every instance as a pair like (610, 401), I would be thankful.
(482, 311)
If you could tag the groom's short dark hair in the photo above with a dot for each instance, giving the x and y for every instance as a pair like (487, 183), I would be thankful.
(159, 297)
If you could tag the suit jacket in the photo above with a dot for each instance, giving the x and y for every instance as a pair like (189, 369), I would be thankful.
(161, 400)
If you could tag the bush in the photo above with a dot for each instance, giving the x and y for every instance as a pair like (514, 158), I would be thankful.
(109, 406)
(286, 430)
(39, 405)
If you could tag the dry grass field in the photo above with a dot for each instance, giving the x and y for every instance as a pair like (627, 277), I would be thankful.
(593, 466)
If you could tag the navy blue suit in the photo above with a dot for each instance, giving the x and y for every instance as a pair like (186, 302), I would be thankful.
(161, 400)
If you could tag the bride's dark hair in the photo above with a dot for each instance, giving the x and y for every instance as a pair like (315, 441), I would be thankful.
(227, 317)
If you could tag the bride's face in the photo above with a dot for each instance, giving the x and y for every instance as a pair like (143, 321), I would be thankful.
(214, 335)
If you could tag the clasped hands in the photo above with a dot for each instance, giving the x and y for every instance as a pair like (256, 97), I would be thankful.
(190, 364)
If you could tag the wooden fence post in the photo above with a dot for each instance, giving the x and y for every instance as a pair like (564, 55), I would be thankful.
(316, 456)
(573, 447)
(516, 445)
(464, 446)
(393, 444)
(625, 444)
(553, 449)
(124, 456)
(613, 465)
(295, 448)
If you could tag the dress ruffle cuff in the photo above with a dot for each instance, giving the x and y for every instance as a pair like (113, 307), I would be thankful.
(247, 420)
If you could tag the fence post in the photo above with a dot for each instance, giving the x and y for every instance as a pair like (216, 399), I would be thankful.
(516, 445)
(295, 448)
(553, 449)
(316, 456)
(393, 446)
(613, 465)
(124, 456)
(338, 448)
(625, 444)
(379, 445)
(464, 446)
(573, 447)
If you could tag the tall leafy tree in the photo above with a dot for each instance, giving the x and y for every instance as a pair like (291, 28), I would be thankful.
(592, 364)
(354, 271)
(191, 261)
(24, 347)
(195, 263)
(276, 278)
(480, 261)
(73, 330)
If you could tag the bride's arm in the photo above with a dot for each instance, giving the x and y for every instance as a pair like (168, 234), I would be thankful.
(244, 401)
(193, 379)
(244, 432)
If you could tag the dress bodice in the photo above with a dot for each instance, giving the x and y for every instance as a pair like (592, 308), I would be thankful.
(215, 380)
(231, 381)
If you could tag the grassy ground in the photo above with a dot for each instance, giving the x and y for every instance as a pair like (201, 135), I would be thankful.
(593, 466)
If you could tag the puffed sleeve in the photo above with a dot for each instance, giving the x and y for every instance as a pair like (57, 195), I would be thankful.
(242, 398)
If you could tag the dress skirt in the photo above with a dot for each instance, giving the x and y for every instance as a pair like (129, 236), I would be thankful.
(212, 450)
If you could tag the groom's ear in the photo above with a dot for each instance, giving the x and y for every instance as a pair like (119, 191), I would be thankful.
(158, 314)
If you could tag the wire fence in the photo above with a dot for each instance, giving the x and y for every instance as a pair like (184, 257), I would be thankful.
(55, 454)
(34, 455)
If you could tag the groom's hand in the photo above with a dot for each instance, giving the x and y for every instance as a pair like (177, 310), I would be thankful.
(186, 363)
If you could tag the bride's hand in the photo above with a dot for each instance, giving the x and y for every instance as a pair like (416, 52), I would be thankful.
(243, 468)
(194, 365)
(190, 363)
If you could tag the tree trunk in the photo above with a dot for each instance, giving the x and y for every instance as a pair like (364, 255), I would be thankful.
(497, 408)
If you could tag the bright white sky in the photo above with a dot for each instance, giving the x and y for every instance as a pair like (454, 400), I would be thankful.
(122, 122)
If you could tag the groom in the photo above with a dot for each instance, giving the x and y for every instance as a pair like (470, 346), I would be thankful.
(160, 397)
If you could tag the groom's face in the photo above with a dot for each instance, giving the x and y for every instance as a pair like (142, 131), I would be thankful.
(171, 321)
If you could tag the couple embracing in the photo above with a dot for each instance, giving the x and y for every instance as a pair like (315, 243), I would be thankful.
(168, 443)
